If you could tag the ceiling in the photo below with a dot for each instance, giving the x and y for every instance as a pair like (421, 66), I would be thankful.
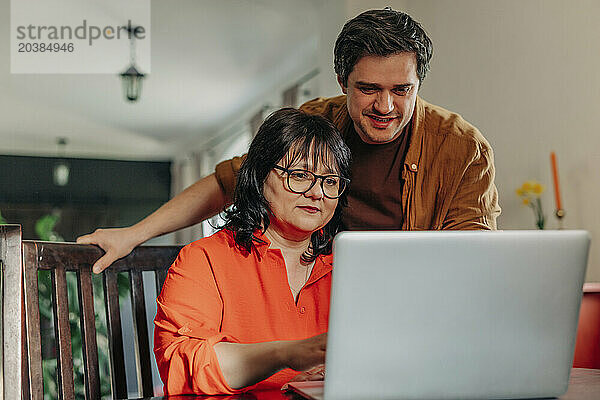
(211, 62)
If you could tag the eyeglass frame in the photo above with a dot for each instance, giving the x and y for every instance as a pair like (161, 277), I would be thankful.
(322, 177)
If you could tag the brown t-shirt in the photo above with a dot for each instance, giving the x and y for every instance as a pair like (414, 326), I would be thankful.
(375, 193)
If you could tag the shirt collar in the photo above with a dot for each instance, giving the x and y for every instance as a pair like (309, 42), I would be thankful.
(323, 264)
(413, 154)
(262, 244)
(259, 246)
(342, 120)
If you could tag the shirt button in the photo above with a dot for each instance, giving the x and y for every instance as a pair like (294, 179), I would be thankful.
(302, 310)
(413, 167)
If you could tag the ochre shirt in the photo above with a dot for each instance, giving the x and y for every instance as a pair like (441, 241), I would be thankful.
(216, 292)
(448, 172)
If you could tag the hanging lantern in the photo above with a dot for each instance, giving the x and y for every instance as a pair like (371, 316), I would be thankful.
(132, 83)
(60, 173)
(61, 169)
(132, 78)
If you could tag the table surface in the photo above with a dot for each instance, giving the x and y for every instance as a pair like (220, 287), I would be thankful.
(583, 385)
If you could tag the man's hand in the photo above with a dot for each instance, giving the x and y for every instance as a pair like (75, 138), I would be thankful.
(116, 242)
(200, 201)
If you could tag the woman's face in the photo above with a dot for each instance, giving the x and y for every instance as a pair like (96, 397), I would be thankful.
(298, 215)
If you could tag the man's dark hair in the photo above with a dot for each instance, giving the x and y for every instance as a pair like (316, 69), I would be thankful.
(381, 33)
(303, 136)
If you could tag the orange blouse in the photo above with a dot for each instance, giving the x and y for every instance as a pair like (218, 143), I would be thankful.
(216, 292)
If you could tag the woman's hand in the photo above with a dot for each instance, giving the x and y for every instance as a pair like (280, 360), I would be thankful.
(116, 242)
(303, 355)
(247, 364)
(314, 374)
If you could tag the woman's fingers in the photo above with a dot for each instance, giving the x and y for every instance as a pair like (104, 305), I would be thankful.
(314, 374)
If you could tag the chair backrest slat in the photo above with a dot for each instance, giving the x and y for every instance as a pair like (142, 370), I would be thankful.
(85, 291)
(115, 335)
(25, 389)
(62, 329)
(11, 321)
(32, 311)
(160, 277)
(58, 258)
(142, 344)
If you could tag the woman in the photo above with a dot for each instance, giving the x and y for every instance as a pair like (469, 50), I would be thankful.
(249, 305)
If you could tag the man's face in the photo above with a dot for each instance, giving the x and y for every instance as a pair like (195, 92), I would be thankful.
(381, 95)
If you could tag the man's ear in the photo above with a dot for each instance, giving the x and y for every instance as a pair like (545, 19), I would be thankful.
(341, 82)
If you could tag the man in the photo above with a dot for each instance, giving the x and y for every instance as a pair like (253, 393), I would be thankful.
(416, 166)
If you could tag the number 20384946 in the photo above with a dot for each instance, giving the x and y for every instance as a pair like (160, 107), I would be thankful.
(46, 47)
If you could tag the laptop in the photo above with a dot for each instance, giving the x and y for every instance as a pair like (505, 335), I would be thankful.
(469, 315)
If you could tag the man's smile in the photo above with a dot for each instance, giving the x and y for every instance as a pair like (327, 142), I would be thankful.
(381, 122)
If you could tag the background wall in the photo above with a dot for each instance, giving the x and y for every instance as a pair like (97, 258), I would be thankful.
(527, 74)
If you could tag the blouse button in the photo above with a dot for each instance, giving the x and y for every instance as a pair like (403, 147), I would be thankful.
(302, 310)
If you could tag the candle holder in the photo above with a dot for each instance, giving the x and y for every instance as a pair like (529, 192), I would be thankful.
(560, 214)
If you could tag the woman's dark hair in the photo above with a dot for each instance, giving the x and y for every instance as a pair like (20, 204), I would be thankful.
(381, 33)
(303, 136)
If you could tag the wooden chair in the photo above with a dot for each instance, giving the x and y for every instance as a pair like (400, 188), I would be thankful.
(10, 320)
(59, 258)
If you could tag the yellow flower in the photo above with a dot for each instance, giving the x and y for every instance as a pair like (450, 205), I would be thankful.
(530, 195)
(538, 188)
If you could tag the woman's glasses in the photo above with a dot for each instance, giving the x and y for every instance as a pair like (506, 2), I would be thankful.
(301, 181)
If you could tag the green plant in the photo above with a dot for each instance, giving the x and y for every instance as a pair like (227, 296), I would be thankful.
(44, 228)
